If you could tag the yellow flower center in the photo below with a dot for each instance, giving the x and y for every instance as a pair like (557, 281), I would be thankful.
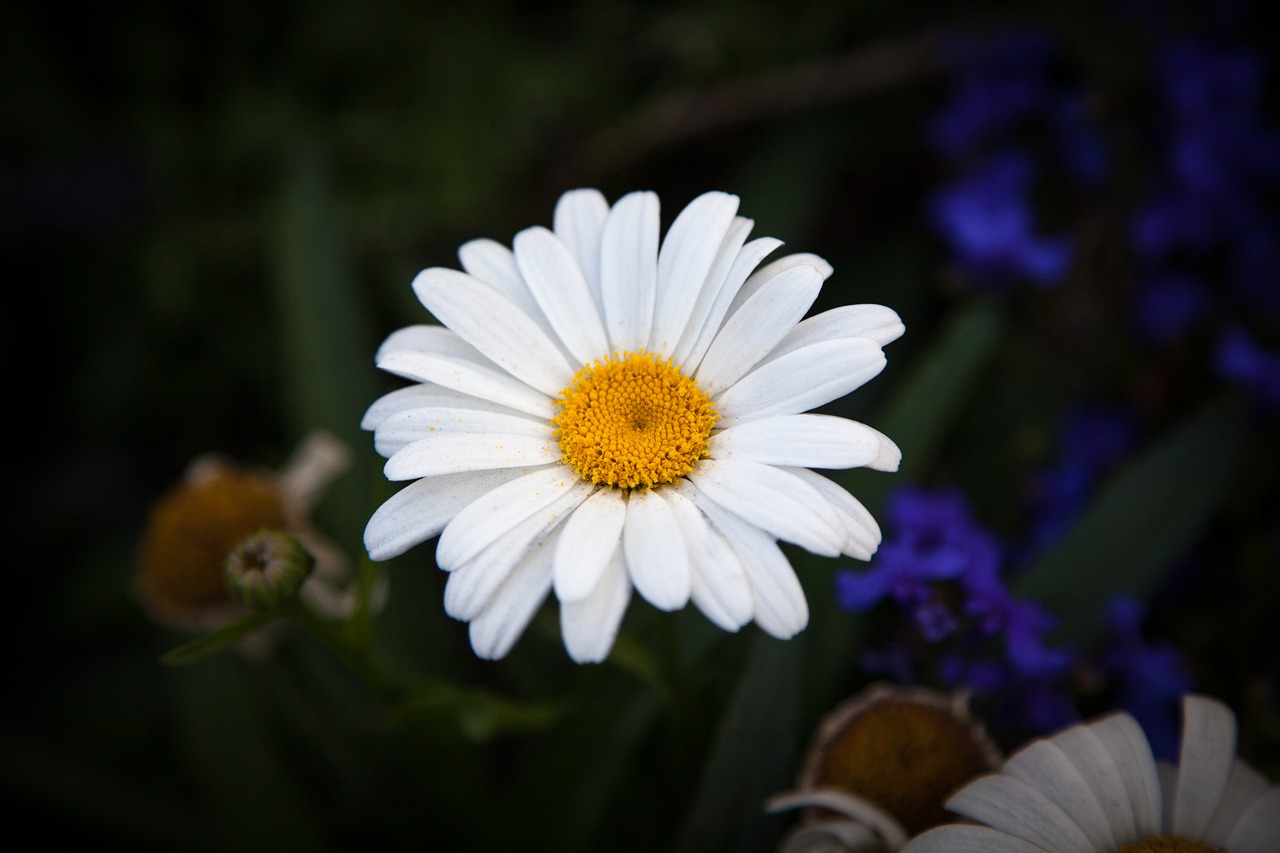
(633, 421)
(1168, 844)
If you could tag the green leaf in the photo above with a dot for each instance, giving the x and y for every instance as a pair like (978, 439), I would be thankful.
(211, 644)
(1146, 517)
(479, 715)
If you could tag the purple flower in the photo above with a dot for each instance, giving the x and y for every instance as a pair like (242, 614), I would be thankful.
(1240, 359)
(1168, 308)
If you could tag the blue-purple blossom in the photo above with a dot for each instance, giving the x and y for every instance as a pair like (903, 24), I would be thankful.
(1241, 360)
(1171, 307)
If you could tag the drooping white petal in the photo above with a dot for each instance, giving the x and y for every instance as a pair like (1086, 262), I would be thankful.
(810, 441)
(421, 510)
(753, 330)
(1012, 806)
(495, 326)
(656, 555)
(1244, 786)
(590, 625)
(877, 322)
(1125, 741)
(403, 428)
(1046, 767)
(472, 584)
(590, 540)
(859, 524)
(579, 219)
(961, 838)
(1258, 829)
(425, 397)
(561, 290)
(1204, 763)
(719, 585)
(428, 338)
(779, 605)
(774, 500)
(480, 523)
(717, 279)
(847, 804)
(629, 270)
(495, 265)
(768, 272)
(513, 606)
(684, 262)
(1096, 763)
(800, 380)
(469, 378)
(455, 452)
(690, 353)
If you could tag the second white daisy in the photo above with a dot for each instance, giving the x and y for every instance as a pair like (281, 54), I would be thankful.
(603, 411)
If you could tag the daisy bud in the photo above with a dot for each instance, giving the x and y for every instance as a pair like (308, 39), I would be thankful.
(267, 569)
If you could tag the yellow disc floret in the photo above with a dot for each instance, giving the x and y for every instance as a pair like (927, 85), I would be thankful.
(633, 421)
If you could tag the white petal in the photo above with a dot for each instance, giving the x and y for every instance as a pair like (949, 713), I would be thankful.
(1125, 741)
(480, 523)
(960, 838)
(424, 397)
(801, 380)
(427, 338)
(1258, 830)
(779, 604)
(457, 452)
(1047, 768)
(1244, 786)
(859, 524)
(629, 270)
(470, 378)
(1204, 763)
(472, 584)
(656, 555)
(591, 625)
(590, 539)
(769, 271)
(495, 326)
(495, 265)
(717, 279)
(557, 283)
(403, 428)
(877, 322)
(1011, 805)
(690, 354)
(847, 804)
(752, 331)
(775, 501)
(514, 605)
(421, 510)
(1095, 762)
(719, 585)
(579, 219)
(684, 262)
(808, 441)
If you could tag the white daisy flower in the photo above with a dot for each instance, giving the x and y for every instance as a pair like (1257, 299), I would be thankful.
(1095, 788)
(601, 412)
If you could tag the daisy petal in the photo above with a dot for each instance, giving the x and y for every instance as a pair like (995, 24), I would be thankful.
(752, 331)
(404, 428)
(590, 539)
(590, 626)
(768, 272)
(1012, 806)
(801, 380)
(718, 582)
(731, 248)
(469, 378)
(959, 838)
(1096, 763)
(877, 322)
(425, 397)
(495, 326)
(773, 500)
(455, 452)
(655, 551)
(1244, 786)
(1259, 827)
(426, 338)
(859, 524)
(579, 219)
(711, 317)
(421, 510)
(684, 261)
(513, 606)
(1204, 763)
(557, 283)
(1124, 739)
(629, 270)
(811, 441)
(1047, 768)
(482, 522)
(495, 265)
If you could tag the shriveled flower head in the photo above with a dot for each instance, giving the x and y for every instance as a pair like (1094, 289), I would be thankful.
(192, 531)
(603, 410)
(881, 765)
(1095, 788)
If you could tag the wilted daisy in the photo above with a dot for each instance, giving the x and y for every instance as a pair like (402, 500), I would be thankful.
(602, 411)
(1095, 788)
